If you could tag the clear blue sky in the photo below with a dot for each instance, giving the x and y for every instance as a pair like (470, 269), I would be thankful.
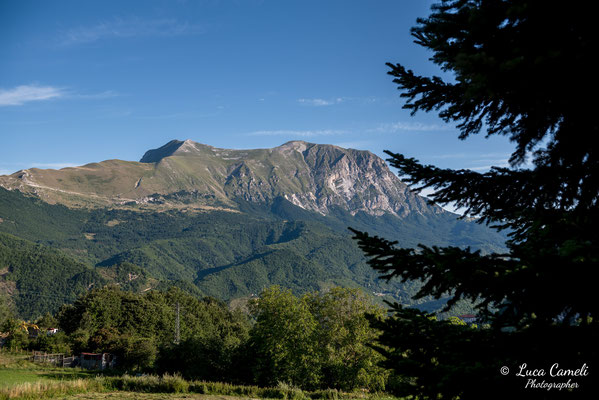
(84, 81)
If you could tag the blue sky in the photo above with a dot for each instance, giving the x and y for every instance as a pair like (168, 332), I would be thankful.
(83, 82)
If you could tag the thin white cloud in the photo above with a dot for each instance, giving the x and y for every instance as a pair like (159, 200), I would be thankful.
(120, 28)
(407, 127)
(298, 133)
(107, 94)
(484, 157)
(187, 115)
(357, 144)
(478, 162)
(320, 102)
(28, 122)
(488, 167)
(14, 167)
(53, 165)
(503, 160)
(27, 93)
(451, 155)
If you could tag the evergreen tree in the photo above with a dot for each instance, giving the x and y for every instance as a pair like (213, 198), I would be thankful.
(520, 69)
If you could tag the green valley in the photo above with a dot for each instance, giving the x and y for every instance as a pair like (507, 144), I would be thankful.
(52, 252)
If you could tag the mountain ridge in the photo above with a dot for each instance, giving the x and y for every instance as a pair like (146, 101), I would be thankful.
(184, 174)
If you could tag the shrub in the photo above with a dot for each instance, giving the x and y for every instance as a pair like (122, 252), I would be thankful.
(327, 394)
(173, 384)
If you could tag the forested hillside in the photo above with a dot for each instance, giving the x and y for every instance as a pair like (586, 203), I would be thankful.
(226, 255)
(41, 278)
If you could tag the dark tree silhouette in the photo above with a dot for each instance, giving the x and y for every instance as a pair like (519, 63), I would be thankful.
(521, 69)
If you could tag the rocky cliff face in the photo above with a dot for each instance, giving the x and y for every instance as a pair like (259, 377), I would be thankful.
(188, 174)
(351, 179)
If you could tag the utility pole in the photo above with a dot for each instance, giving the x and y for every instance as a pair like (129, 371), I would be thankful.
(177, 330)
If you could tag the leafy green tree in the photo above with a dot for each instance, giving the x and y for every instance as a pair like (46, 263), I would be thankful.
(136, 353)
(18, 338)
(123, 312)
(519, 69)
(213, 343)
(133, 352)
(79, 340)
(343, 336)
(104, 340)
(47, 321)
(56, 343)
(139, 329)
(282, 340)
(320, 340)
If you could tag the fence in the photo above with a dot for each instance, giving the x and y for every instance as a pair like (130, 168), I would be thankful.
(60, 360)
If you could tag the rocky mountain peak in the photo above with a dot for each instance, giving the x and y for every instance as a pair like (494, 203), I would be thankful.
(315, 177)
(294, 145)
(156, 155)
(174, 148)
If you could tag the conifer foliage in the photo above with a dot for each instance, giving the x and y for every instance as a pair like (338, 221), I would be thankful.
(520, 69)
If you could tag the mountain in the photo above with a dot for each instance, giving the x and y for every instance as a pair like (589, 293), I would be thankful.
(188, 174)
(224, 223)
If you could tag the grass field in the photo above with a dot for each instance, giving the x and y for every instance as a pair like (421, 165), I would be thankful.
(16, 369)
(14, 376)
(147, 396)
(25, 380)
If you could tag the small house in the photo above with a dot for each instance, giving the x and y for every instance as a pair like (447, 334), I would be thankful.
(468, 318)
(99, 361)
(51, 331)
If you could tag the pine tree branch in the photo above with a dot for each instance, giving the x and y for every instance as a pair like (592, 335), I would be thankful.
(508, 198)
(459, 273)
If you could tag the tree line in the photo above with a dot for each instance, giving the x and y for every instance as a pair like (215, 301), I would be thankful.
(316, 341)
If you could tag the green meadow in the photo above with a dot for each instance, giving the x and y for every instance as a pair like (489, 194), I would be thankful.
(23, 379)
(15, 369)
